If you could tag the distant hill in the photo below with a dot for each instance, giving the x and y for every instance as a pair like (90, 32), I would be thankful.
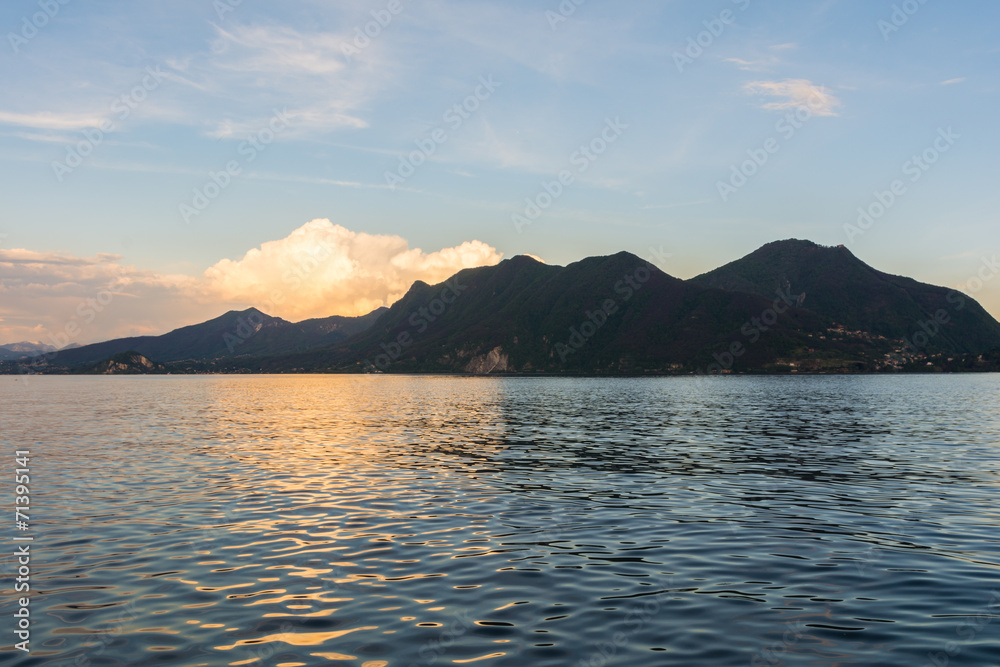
(838, 286)
(24, 349)
(235, 334)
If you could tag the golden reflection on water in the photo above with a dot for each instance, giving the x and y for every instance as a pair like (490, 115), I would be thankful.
(297, 638)
(305, 441)
(290, 520)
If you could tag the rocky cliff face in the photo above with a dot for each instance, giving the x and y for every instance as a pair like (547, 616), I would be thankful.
(494, 361)
(136, 363)
(127, 363)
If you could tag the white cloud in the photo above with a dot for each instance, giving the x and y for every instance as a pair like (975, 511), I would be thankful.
(796, 93)
(44, 120)
(747, 65)
(762, 62)
(323, 269)
(320, 269)
(950, 82)
(277, 66)
(281, 51)
(228, 88)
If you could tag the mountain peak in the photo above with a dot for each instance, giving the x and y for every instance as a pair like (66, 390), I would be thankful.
(835, 284)
(792, 246)
(249, 312)
(797, 245)
(794, 242)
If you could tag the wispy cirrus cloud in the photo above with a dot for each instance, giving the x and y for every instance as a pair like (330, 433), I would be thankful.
(270, 66)
(49, 120)
(794, 94)
(227, 88)
(748, 65)
(765, 61)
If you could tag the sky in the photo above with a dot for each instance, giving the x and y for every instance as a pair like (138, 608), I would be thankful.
(164, 162)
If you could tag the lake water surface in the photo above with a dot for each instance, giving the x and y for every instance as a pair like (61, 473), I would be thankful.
(376, 521)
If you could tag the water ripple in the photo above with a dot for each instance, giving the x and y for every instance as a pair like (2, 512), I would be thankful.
(405, 521)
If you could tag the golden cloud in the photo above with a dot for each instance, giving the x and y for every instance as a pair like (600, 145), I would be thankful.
(323, 269)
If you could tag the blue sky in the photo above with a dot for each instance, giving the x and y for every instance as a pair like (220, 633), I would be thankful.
(309, 119)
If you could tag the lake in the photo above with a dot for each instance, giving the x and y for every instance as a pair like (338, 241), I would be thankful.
(376, 521)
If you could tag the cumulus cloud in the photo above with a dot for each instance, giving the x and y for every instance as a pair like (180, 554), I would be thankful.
(796, 93)
(318, 270)
(323, 269)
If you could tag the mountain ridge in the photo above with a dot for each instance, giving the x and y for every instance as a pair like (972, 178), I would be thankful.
(789, 306)
(248, 332)
(839, 286)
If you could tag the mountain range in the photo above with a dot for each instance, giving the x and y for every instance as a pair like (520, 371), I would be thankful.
(790, 306)
(23, 349)
(235, 334)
